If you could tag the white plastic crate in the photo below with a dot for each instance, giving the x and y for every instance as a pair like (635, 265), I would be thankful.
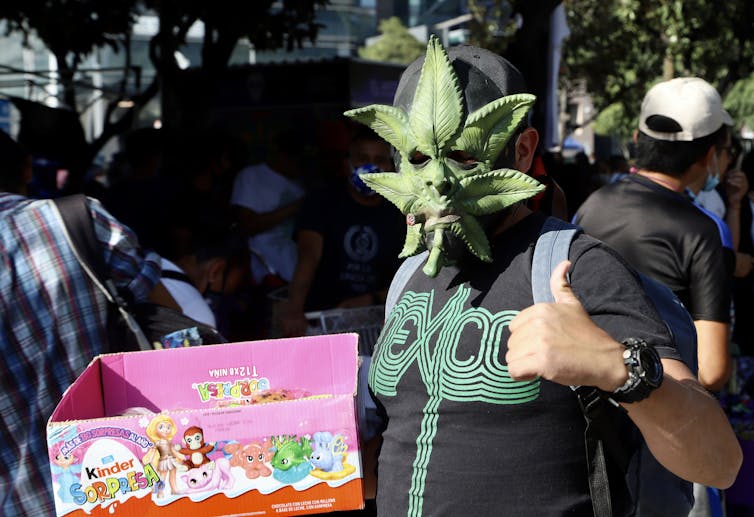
(366, 321)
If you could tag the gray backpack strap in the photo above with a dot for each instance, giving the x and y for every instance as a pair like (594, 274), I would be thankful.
(553, 246)
(551, 249)
(405, 271)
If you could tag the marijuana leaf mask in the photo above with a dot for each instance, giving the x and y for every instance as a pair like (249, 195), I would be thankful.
(436, 191)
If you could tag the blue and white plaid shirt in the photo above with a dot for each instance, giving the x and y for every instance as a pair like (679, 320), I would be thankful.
(52, 323)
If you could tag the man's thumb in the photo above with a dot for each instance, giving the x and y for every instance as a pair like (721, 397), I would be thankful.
(561, 288)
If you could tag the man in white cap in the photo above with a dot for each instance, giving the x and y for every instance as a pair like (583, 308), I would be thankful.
(683, 140)
(683, 145)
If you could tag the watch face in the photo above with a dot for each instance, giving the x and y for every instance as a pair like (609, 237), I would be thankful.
(650, 363)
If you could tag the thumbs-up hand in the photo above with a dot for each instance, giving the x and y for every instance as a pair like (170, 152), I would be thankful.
(560, 342)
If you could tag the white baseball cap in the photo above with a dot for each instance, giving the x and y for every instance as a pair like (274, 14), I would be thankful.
(682, 109)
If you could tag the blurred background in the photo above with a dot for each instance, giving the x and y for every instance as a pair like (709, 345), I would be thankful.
(77, 76)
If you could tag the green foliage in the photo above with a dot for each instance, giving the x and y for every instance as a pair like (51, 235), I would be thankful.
(491, 25)
(621, 47)
(73, 29)
(396, 45)
(268, 24)
(740, 102)
(614, 121)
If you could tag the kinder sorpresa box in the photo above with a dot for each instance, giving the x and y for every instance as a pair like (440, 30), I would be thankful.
(257, 428)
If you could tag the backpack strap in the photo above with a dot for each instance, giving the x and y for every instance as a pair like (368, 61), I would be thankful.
(553, 247)
(78, 227)
(75, 214)
(177, 275)
(401, 278)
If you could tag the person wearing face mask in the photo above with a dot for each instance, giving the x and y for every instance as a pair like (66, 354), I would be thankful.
(193, 276)
(652, 222)
(705, 196)
(650, 218)
(720, 196)
(348, 241)
(470, 376)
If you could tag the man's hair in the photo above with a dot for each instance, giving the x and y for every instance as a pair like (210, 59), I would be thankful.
(13, 159)
(616, 162)
(675, 157)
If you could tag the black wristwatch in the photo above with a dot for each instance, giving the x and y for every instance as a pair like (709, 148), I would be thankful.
(644, 371)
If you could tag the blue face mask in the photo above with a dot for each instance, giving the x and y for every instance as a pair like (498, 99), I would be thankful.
(361, 187)
(713, 180)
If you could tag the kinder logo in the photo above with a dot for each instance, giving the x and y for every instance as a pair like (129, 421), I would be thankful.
(230, 390)
(109, 472)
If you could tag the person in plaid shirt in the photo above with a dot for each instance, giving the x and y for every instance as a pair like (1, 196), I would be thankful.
(52, 323)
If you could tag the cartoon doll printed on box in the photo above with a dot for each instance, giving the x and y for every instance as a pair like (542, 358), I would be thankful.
(66, 470)
(163, 457)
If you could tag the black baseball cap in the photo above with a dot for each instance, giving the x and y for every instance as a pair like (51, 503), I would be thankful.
(483, 76)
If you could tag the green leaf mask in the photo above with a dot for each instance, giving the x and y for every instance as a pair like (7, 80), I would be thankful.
(437, 193)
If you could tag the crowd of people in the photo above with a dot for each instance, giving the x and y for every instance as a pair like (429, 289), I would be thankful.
(186, 222)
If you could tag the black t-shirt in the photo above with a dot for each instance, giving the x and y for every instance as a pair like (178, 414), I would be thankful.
(462, 437)
(663, 235)
(360, 245)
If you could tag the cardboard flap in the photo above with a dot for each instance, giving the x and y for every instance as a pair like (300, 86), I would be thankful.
(199, 377)
(83, 399)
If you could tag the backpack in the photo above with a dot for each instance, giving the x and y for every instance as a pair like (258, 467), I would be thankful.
(614, 457)
(130, 326)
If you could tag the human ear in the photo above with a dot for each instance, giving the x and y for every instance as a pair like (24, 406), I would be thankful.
(526, 146)
(216, 274)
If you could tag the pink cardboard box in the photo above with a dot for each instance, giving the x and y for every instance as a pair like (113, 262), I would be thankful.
(257, 428)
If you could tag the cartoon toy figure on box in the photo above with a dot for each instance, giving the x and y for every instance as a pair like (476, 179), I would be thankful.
(196, 449)
(65, 470)
(291, 460)
(252, 458)
(214, 475)
(161, 430)
(329, 455)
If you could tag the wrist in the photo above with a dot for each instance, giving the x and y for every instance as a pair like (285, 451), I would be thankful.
(644, 368)
(616, 371)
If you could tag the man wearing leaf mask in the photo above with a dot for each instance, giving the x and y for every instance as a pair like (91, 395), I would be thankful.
(472, 377)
